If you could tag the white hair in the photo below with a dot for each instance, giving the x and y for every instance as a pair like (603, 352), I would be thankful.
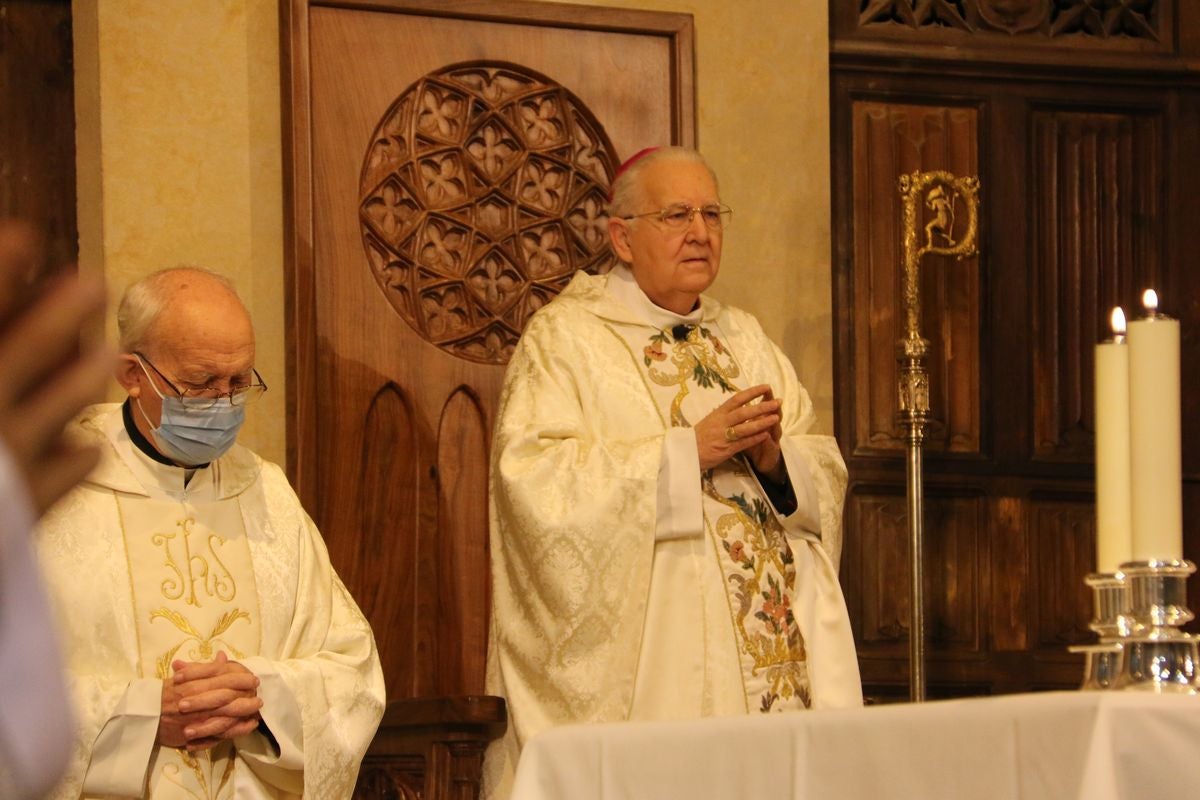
(145, 299)
(627, 191)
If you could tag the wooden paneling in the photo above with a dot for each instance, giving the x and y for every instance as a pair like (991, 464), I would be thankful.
(37, 123)
(1063, 535)
(1012, 595)
(1097, 225)
(890, 139)
(882, 612)
(1021, 30)
(1084, 128)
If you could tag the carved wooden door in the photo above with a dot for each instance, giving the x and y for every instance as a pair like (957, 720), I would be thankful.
(449, 168)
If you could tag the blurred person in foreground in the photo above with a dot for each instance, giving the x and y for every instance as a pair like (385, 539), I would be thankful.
(46, 377)
(664, 528)
(212, 651)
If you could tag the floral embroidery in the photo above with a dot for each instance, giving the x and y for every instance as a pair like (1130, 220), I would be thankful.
(716, 341)
(654, 350)
(737, 552)
(695, 362)
(760, 573)
(754, 556)
(776, 609)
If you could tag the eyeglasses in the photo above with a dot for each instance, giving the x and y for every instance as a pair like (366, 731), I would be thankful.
(679, 215)
(207, 396)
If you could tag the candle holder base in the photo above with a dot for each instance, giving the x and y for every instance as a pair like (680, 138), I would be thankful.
(1139, 610)
(1166, 665)
(1102, 665)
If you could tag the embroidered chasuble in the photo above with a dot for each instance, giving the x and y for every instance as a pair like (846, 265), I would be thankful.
(146, 569)
(628, 583)
(193, 594)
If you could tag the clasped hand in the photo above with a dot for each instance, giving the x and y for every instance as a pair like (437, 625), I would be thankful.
(748, 422)
(204, 703)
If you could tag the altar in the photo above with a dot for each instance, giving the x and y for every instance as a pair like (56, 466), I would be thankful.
(1046, 746)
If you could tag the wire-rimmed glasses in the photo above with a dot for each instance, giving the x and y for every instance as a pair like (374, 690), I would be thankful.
(207, 396)
(679, 215)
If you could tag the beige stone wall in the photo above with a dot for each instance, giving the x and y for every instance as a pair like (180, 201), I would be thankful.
(180, 161)
(180, 158)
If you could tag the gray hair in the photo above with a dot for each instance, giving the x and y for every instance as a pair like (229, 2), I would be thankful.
(146, 298)
(627, 191)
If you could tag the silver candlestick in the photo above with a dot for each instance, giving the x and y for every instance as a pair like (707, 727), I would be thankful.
(1112, 622)
(1138, 613)
(1158, 657)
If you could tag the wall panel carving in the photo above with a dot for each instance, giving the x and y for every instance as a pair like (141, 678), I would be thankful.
(483, 191)
(1063, 532)
(1097, 240)
(462, 461)
(390, 779)
(952, 549)
(1044, 19)
(378, 564)
(891, 139)
(1008, 556)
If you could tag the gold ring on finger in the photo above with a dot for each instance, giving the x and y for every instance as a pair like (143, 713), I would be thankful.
(731, 434)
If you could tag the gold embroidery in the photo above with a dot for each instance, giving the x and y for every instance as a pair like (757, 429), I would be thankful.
(141, 672)
(201, 766)
(172, 588)
(184, 573)
(751, 547)
(773, 642)
(694, 360)
(216, 583)
(205, 650)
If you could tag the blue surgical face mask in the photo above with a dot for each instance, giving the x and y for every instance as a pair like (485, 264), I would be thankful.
(191, 430)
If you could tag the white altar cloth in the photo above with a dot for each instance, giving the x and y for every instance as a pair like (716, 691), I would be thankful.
(1056, 746)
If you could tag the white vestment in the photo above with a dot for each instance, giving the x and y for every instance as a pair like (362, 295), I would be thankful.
(627, 583)
(145, 570)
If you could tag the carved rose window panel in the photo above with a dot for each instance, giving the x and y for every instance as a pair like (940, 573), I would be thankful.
(1106, 21)
(483, 189)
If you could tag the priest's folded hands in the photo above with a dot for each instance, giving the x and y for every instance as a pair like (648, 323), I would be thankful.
(205, 703)
(746, 422)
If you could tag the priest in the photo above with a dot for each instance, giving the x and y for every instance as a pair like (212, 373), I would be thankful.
(664, 526)
(211, 649)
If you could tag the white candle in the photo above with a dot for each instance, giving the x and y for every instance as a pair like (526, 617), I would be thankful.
(1154, 426)
(1114, 534)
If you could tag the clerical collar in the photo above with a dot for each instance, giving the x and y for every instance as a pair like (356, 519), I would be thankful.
(624, 288)
(143, 444)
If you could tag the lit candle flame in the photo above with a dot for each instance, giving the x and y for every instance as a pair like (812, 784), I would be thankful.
(1150, 301)
(1118, 321)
